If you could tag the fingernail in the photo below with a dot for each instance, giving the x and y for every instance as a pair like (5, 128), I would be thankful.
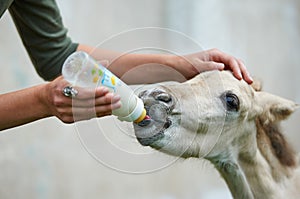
(116, 97)
(248, 77)
(221, 66)
(116, 105)
(104, 89)
(239, 76)
(251, 79)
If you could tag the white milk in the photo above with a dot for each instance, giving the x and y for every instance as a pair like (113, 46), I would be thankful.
(82, 70)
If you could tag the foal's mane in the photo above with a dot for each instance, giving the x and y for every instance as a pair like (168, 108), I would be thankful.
(269, 137)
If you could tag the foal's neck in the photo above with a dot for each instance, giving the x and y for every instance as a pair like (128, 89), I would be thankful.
(251, 179)
(249, 175)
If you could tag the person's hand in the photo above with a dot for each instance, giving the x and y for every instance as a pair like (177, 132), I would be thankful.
(213, 59)
(89, 103)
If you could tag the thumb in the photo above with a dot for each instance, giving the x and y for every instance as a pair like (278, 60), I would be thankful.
(219, 66)
(214, 66)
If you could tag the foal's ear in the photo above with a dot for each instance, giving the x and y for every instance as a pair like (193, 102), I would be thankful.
(257, 84)
(274, 108)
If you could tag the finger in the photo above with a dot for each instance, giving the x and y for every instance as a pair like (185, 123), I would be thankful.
(116, 105)
(216, 65)
(235, 67)
(229, 61)
(80, 113)
(89, 113)
(107, 108)
(90, 93)
(104, 114)
(71, 114)
(202, 66)
(246, 76)
(109, 98)
(93, 115)
(211, 65)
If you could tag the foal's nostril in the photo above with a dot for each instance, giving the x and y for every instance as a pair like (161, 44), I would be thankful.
(164, 97)
(141, 94)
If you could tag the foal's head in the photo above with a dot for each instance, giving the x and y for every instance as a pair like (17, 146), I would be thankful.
(214, 115)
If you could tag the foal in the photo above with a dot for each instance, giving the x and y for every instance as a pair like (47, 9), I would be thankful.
(229, 123)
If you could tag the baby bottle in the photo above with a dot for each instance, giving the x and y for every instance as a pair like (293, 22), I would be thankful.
(82, 70)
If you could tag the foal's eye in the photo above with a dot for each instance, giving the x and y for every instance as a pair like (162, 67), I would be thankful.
(231, 101)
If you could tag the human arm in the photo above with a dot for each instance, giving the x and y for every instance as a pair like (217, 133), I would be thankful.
(163, 67)
(45, 38)
(43, 34)
(21, 107)
(46, 100)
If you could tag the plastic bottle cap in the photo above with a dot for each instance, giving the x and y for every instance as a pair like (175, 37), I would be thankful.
(137, 112)
(142, 116)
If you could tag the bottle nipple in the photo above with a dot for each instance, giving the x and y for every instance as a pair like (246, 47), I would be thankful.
(143, 120)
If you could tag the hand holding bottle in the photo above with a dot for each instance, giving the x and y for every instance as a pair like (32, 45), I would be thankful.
(82, 70)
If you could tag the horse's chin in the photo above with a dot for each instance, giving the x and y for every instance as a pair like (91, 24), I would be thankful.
(153, 132)
(155, 127)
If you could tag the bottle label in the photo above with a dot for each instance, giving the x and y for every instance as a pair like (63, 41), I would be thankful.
(109, 80)
(96, 73)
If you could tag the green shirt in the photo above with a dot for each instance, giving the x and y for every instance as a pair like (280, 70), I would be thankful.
(45, 38)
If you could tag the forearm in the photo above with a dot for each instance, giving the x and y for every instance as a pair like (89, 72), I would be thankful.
(139, 68)
(21, 107)
(152, 68)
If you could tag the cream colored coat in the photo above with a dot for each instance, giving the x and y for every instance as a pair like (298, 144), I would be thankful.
(231, 124)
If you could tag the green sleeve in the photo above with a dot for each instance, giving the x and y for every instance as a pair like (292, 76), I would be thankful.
(40, 26)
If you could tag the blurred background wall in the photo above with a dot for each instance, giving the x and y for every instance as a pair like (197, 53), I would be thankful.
(47, 159)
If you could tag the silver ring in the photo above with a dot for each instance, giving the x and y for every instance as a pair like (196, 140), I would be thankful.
(69, 91)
